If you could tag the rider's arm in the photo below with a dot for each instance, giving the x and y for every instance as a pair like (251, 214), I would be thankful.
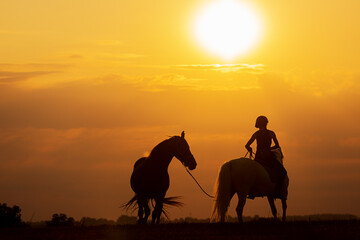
(252, 139)
(273, 136)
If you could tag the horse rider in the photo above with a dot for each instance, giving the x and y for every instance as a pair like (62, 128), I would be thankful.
(264, 155)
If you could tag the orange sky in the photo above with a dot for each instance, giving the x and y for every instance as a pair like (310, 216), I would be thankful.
(88, 87)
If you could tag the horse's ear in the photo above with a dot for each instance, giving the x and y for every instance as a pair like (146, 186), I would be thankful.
(183, 134)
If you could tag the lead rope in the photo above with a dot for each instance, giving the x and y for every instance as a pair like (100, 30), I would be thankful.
(177, 149)
(198, 183)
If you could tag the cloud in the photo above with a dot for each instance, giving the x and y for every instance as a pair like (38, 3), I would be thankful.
(13, 77)
(350, 142)
(166, 82)
(33, 75)
(32, 66)
(72, 147)
(322, 83)
(117, 56)
(75, 56)
(225, 68)
(16, 73)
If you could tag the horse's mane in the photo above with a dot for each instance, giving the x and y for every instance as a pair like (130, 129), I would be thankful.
(278, 154)
(159, 147)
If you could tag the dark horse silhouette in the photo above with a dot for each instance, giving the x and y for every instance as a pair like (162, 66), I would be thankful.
(150, 178)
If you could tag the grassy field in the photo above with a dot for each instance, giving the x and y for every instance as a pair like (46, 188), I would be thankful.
(249, 230)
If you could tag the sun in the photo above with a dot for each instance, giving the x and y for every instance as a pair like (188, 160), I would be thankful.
(227, 28)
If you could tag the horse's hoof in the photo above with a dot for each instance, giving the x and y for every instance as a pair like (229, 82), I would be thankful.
(141, 221)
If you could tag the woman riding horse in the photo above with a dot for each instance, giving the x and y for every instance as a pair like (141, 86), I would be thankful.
(264, 155)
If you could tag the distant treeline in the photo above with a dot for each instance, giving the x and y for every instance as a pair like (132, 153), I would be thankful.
(62, 220)
(126, 220)
(315, 217)
(11, 217)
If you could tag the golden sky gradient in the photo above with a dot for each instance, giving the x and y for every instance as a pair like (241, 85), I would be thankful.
(88, 87)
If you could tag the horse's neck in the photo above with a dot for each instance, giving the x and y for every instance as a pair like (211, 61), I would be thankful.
(278, 155)
(161, 155)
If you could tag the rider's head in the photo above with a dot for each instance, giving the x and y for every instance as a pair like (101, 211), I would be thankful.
(261, 122)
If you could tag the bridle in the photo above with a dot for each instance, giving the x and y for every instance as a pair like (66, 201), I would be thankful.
(180, 155)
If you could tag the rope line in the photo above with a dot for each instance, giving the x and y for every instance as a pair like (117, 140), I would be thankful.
(198, 184)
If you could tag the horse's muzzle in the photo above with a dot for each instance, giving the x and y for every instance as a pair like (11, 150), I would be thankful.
(191, 164)
(192, 167)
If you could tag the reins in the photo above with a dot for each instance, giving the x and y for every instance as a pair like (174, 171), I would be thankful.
(251, 157)
(180, 153)
(198, 183)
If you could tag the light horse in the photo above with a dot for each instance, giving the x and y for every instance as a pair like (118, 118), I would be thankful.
(246, 177)
(150, 178)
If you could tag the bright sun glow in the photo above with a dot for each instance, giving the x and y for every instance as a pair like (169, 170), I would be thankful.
(227, 28)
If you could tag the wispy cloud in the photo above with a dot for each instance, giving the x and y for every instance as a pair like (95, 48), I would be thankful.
(166, 81)
(75, 56)
(32, 66)
(11, 77)
(118, 57)
(182, 82)
(102, 56)
(320, 83)
(226, 68)
(30, 74)
(225, 77)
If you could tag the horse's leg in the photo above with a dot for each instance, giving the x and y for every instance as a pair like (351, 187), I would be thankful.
(223, 206)
(147, 211)
(141, 210)
(222, 217)
(240, 206)
(272, 205)
(157, 210)
(284, 207)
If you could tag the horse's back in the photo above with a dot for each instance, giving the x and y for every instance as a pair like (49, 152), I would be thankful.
(139, 162)
(148, 180)
(249, 176)
(245, 168)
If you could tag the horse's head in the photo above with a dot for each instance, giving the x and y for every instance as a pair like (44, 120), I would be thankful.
(182, 152)
(278, 154)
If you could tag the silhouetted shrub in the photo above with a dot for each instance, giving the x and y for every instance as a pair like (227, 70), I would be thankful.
(10, 216)
(59, 220)
(87, 221)
(124, 219)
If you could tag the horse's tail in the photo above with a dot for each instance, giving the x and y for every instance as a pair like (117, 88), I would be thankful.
(223, 193)
(173, 201)
(169, 201)
(131, 204)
